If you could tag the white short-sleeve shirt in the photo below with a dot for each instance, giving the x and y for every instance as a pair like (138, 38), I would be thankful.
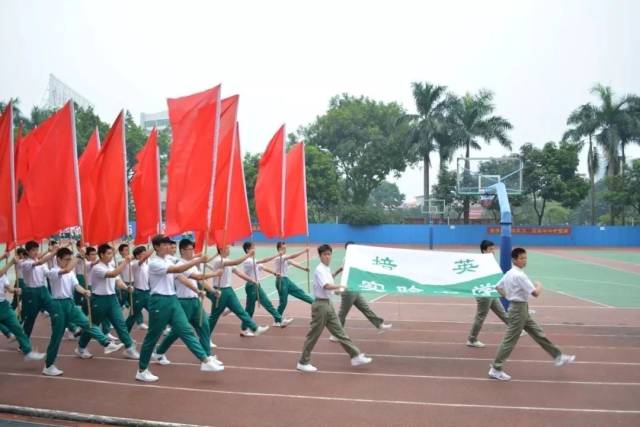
(140, 275)
(181, 290)
(250, 268)
(34, 275)
(160, 280)
(80, 265)
(4, 285)
(321, 277)
(282, 266)
(223, 281)
(100, 284)
(126, 273)
(62, 285)
(516, 285)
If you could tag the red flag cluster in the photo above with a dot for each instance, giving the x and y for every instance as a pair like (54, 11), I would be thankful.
(44, 188)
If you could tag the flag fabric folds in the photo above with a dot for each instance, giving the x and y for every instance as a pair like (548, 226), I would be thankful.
(85, 169)
(270, 187)
(145, 189)
(7, 177)
(295, 202)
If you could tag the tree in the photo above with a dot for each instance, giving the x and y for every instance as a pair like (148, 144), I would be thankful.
(445, 190)
(431, 105)
(386, 196)
(473, 120)
(250, 162)
(366, 138)
(550, 175)
(324, 186)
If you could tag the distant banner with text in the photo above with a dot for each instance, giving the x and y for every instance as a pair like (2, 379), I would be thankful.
(419, 272)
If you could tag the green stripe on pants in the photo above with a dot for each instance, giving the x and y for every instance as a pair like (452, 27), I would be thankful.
(166, 310)
(65, 312)
(106, 307)
(484, 304)
(285, 288)
(517, 320)
(197, 319)
(250, 305)
(323, 315)
(140, 301)
(9, 319)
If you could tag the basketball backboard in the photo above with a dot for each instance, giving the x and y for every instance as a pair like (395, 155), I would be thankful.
(476, 174)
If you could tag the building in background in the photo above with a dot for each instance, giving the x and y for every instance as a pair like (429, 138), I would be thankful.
(159, 120)
(58, 93)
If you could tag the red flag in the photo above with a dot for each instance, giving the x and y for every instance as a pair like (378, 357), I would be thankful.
(108, 220)
(7, 179)
(48, 198)
(85, 170)
(269, 190)
(237, 224)
(194, 125)
(217, 226)
(145, 188)
(295, 202)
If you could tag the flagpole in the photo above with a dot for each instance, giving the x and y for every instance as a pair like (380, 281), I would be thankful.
(158, 180)
(12, 178)
(306, 213)
(126, 188)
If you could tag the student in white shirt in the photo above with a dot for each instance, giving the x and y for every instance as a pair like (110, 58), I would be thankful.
(140, 273)
(284, 285)
(516, 287)
(104, 302)
(63, 284)
(8, 317)
(21, 253)
(164, 309)
(228, 298)
(323, 315)
(124, 297)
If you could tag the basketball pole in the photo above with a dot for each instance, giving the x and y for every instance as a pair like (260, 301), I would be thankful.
(505, 230)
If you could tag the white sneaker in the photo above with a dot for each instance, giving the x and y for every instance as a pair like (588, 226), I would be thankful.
(52, 371)
(143, 326)
(247, 333)
(146, 376)
(131, 353)
(385, 326)
(214, 359)
(166, 331)
(532, 312)
(33, 355)
(211, 366)
(11, 338)
(523, 333)
(261, 330)
(284, 323)
(333, 339)
(111, 347)
(306, 368)
(68, 336)
(498, 375)
(160, 359)
(112, 338)
(83, 353)
(475, 344)
(226, 312)
(360, 359)
(563, 359)
(212, 345)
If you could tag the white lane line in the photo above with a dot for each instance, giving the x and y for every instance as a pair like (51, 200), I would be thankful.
(325, 398)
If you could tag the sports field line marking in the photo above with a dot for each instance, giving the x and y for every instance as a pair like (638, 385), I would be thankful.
(537, 307)
(599, 264)
(599, 304)
(326, 398)
(377, 299)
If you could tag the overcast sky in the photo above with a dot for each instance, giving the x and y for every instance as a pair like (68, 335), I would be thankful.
(287, 59)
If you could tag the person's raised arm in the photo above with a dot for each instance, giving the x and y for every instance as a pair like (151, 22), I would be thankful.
(237, 261)
(7, 266)
(45, 258)
(181, 268)
(296, 265)
(295, 255)
(119, 269)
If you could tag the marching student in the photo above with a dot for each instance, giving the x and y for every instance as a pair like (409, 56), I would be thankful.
(323, 315)
(164, 309)
(249, 273)
(36, 296)
(63, 284)
(484, 304)
(284, 285)
(21, 253)
(8, 317)
(353, 298)
(189, 297)
(104, 302)
(140, 272)
(125, 276)
(228, 298)
(516, 287)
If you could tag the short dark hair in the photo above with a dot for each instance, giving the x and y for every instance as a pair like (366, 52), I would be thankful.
(324, 248)
(172, 242)
(79, 243)
(63, 252)
(31, 244)
(185, 243)
(159, 239)
(122, 246)
(350, 242)
(21, 251)
(485, 244)
(103, 248)
(246, 246)
(516, 252)
(280, 244)
(139, 250)
(53, 242)
(89, 250)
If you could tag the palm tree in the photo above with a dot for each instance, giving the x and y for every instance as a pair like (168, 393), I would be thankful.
(430, 104)
(584, 124)
(475, 123)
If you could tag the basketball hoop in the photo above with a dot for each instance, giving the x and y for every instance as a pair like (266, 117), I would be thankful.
(486, 200)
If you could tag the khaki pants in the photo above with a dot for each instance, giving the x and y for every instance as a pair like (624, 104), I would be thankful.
(518, 320)
(484, 304)
(350, 298)
(323, 315)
